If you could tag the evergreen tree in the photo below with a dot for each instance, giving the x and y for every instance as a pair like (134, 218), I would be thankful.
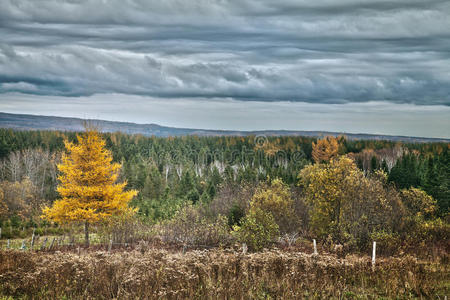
(373, 163)
(153, 186)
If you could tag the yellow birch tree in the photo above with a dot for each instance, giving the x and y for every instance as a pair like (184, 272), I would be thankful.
(87, 186)
(327, 188)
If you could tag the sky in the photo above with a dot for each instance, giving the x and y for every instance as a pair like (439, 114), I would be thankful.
(360, 66)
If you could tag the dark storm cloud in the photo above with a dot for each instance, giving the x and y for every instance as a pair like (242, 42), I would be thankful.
(310, 51)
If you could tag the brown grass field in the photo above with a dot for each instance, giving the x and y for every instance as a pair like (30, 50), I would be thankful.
(156, 273)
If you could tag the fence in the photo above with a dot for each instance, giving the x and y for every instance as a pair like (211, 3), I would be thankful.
(69, 241)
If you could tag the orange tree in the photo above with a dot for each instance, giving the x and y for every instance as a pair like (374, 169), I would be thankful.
(87, 186)
(325, 149)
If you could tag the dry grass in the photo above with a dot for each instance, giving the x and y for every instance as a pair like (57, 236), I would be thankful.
(148, 273)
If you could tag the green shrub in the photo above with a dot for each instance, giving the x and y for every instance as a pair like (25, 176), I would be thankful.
(54, 231)
(258, 229)
(275, 197)
(39, 231)
(235, 215)
(7, 233)
(193, 196)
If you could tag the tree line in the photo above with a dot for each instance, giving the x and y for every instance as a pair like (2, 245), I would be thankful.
(347, 190)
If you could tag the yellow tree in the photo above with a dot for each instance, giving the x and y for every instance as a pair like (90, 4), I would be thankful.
(418, 202)
(271, 212)
(87, 186)
(344, 201)
(325, 149)
(275, 197)
(326, 188)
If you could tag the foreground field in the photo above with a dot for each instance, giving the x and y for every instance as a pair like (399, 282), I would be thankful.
(146, 273)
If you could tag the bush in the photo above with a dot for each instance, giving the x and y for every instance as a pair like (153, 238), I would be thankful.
(418, 202)
(437, 230)
(387, 243)
(11, 233)
(258, 229)
(121, 229)
(235, 215)
(154, 210)
(421, 232)
(275, 197)
(191, 228)
(230, 197)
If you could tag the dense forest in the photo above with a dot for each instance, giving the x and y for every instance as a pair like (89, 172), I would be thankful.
(338, 190)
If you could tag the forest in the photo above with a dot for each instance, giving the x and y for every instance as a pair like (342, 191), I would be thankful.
(219, 176)
(226, 192)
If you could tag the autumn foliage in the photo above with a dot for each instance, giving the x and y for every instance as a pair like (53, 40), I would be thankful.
(325, 149)
(275, 197)
(352, 208)
(327, 188)
(88, 189)
(18, 198)
(271, 212)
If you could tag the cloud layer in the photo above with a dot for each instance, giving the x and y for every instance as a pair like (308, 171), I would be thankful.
(330, 52)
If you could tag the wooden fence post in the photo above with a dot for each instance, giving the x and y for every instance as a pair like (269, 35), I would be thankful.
(44, 243)
(53, 241)
(315, 247)
(244, 248)
(374, 251)
(110, 245)
(8, 245)
(32, 239)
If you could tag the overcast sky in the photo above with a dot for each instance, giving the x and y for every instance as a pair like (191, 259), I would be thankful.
(342, 65)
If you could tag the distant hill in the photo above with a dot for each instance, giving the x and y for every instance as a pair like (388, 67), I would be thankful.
(33, 122)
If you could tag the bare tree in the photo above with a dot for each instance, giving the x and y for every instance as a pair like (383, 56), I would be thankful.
(14, 166)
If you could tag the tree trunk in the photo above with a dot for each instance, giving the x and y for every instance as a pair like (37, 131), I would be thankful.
(338, 213)
(86, 233)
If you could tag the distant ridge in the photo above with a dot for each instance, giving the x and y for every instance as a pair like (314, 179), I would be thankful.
(35, 122)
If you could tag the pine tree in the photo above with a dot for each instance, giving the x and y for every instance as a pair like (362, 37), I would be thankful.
(153, 186)
(408, 172)
(373, 163)
(87, 184)
(436, 182)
